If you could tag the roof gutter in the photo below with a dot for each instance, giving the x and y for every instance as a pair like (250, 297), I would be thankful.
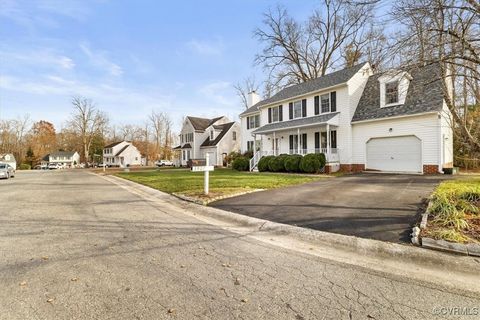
(395, 117)
(305, 94)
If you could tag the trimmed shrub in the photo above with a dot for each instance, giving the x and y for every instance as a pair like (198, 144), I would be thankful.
(263, 163)
(232, 156)
(24, 166)
(310, 163)
(241, 164)
(323, 160)
(292, 163)
(276, 164)
(248, 154)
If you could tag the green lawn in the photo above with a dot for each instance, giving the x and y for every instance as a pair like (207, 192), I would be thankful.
(454, 213)
(222, 181)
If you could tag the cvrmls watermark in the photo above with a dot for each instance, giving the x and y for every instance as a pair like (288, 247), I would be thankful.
(456, 311)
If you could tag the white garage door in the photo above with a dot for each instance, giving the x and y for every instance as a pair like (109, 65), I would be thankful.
(212, 158)
(401, 154)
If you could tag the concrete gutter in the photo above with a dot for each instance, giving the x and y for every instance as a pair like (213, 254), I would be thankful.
(455, 271)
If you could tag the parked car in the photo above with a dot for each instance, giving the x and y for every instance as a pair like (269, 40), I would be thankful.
(101, 165)
(6, 171)
(53, 166)
(164, 163)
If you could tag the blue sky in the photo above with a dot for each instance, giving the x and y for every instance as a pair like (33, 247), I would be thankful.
(130, 57)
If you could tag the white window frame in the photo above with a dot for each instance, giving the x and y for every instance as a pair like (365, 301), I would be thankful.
(327, 95)
(387, 93)
(277, 109)
(297, 108)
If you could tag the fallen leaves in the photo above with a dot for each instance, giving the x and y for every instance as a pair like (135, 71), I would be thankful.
(171, 310)
(23, 283)
(50, 300)
(244, 300)
(74, 279)
(45, 258)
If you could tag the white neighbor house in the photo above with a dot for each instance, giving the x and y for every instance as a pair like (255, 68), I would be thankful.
(121, 154)
(217, 137)
(395, 121)
(8, 158)
(66, 158)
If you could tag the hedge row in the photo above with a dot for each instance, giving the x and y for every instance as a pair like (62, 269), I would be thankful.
(310, 163)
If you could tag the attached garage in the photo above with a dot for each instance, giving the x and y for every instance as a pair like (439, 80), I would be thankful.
(396, 154)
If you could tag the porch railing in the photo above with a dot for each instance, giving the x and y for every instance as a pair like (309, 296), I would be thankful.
(259, 155)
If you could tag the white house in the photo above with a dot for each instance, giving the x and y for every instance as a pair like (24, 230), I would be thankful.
(65, 158)
(121, 154)
(8, 158)
(217, 137)
(395, 121)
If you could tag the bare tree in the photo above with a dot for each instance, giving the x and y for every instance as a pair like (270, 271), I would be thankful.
(87, 121)
(244, 88)
(296, 52)
(445, 32)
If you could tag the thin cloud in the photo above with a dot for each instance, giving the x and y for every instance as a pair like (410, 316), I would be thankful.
(99, 59)
(219, 92)
(207, 48)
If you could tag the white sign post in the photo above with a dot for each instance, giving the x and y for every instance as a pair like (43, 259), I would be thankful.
(206, 169)
(207, 175)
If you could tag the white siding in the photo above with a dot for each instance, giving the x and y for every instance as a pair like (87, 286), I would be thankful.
(446, 135)
(246, 134)
(424, 127)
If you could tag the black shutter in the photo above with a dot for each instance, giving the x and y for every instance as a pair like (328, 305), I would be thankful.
(280, 113)
(333, 139)
(269, 115)
(333, 101)
(304, 141)
(290, 110)
(248, 123)
(317, 140)
(317, 105)
(291, 142)
(304, 108)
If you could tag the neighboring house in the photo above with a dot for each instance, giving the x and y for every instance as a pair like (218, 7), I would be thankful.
(122, 154)
(217, 137)
(66, 158)
(395, 121)
(8, 158)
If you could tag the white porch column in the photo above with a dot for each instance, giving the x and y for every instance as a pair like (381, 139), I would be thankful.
(254, 143)
(274, 144)
(328, 140)
(298, 140)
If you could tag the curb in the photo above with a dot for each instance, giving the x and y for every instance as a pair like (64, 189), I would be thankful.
(206, 202)
(365, 247)
(469, 249)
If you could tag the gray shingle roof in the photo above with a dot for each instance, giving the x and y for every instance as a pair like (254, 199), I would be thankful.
(111, 145)
(224, 127)
(283, 125)
(201, 124)
(62, 154)
(326, 81)
(424, 94)
(252, 109)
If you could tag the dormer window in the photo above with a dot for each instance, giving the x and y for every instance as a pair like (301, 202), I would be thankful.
(391, 92)
(212, 134)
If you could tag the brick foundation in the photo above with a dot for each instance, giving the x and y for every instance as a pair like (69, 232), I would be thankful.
(430, 169)
(356, 167)
(328, 169)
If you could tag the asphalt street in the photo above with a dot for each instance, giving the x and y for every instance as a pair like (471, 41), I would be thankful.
(76, 246)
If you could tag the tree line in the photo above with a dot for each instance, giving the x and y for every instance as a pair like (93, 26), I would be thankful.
(412, 33)
(87, 131)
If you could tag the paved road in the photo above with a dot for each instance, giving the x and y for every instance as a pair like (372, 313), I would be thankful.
(369, 205)
(75, 246)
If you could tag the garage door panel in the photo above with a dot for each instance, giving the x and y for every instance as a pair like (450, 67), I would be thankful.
(402, 154)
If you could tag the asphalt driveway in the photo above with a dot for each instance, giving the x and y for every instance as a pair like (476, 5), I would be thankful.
(368, 205)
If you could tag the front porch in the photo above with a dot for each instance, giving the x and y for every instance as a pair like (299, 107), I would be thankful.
(302, 141)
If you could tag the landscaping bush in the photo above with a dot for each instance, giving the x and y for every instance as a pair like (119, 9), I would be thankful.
(276, 164)
(24, 166)
(292, 163)
(310, 163)
(241, 164)
(323, 160)
(232, 156)
(263, 163)
(248, 154)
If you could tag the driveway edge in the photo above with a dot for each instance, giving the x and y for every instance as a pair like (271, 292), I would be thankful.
(366, 247)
